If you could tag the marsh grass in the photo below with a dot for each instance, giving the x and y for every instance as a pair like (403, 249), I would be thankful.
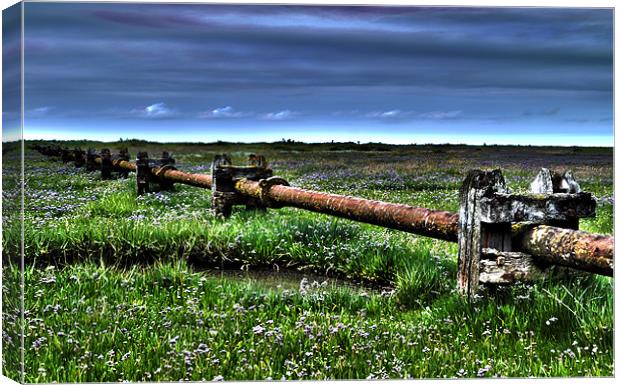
(170, 322)
(115, 292)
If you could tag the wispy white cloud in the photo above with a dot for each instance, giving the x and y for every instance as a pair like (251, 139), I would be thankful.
(156, 110)
(402, 115)
(39, 111)
(390, 114)
(223, 112)
(280, 115)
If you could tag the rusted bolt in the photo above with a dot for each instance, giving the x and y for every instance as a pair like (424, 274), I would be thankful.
(265, 185)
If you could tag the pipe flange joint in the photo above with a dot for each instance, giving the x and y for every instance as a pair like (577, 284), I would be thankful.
(265, 185)
(162, 169)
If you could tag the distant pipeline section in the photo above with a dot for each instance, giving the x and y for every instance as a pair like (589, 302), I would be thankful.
(547, 244)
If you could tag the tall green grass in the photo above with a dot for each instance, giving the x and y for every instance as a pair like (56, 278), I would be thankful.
(115, 289)
(91, 322)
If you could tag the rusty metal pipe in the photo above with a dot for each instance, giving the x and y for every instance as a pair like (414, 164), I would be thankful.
(197, 180)
(431, 223)
(121, 164)
(418, 220)
(572, 248)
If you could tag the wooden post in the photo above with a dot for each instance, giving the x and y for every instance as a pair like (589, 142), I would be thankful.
(166, 162)
(123, 154)
(91, 164)
(476, 185)
(259, 164)
(65, 155)
(166, 159)
(551, 182)
(149, 171)
(224, 177)
(222, 187)
(143, 172)
(488, 250)
(106, 164)
(79, 157)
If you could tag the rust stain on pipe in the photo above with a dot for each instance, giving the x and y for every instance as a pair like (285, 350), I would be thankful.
(121, 164)
(431, 223)
(197, 180)
(572, 248)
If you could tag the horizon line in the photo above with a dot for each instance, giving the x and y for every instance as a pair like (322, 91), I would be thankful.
(293, 142)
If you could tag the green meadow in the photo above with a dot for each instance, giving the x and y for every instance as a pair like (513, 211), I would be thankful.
(156, 288)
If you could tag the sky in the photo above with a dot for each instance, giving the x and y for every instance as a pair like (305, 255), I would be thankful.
(11, 74)
(371, 74)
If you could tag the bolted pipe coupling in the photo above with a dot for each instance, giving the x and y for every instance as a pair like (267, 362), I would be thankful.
(164, 184)
(265, 185)
(162, 169)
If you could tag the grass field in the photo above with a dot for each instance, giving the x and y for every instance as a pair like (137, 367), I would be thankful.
(125, 288)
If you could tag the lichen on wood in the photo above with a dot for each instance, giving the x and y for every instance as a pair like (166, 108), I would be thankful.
(477, 184)
(550, 182)
(538, 208)
(506, 267)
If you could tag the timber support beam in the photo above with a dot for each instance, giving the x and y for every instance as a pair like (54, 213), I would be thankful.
(499, 231)
(150, 171)
(502, 237)
(225, 176)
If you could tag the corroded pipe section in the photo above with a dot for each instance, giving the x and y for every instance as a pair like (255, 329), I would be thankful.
(197, 180)
(430, 223)
(572, 248)
(566, 247)
(121, 164)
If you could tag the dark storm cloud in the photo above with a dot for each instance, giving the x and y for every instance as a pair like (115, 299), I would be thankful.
(221, 63)
(237, 53)
(11, 72)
